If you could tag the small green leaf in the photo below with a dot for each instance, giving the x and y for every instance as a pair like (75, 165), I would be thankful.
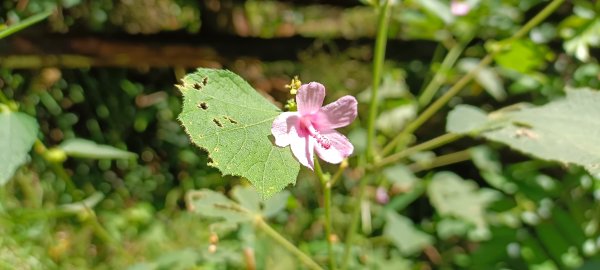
(81, 148)
(565, 130)
(225, 116)
(17, 134)
(403, 233)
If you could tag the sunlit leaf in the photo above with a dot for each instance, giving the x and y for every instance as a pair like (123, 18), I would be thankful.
(565, 130)
(18, 132)
(225, 116)
(523, 56)
(580, 35)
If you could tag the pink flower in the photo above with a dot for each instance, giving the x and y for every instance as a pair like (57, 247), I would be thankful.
(459, 8)
(312, 127)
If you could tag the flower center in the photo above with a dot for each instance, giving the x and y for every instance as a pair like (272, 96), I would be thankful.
(321, 140)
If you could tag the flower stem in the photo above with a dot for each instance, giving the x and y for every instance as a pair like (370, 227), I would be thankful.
(305, 259)
(402, 138)
(326, 185)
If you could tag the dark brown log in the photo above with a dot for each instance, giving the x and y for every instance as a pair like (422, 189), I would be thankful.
(172, 50)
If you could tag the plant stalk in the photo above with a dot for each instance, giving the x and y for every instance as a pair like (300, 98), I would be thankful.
(378, 61)
(428, 145)
(442, 160)
(438, 79)
(24, 24)
(379, 57)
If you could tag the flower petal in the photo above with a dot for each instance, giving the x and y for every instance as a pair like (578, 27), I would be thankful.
(339, 113)
(284, 128)
(310, 98)
(339, 149)
(303, 149)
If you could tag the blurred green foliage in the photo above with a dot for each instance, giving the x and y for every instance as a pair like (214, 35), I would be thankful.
(81, 200)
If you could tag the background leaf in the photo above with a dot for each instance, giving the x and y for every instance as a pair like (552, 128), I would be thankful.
(403, 233)
(17, 134)
(487, 77)
(227, 117)
(564, 130)
(81, 148)
(453, 196)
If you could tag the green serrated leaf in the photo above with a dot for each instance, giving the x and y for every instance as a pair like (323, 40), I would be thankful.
(564, 130)
(81, 148)
(17, 134)
(225, 116)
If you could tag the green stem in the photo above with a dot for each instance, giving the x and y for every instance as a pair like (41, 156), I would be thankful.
(305, 259)
(442, 160)
(380, 44)
(428, 145)
(326, 185)
(24, 24)
(403, 137)
(439, 77)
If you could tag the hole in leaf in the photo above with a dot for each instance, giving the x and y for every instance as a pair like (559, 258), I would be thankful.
(230, 119)
(217, 122)
(197, 86)
(202, 105)
(205, 81)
